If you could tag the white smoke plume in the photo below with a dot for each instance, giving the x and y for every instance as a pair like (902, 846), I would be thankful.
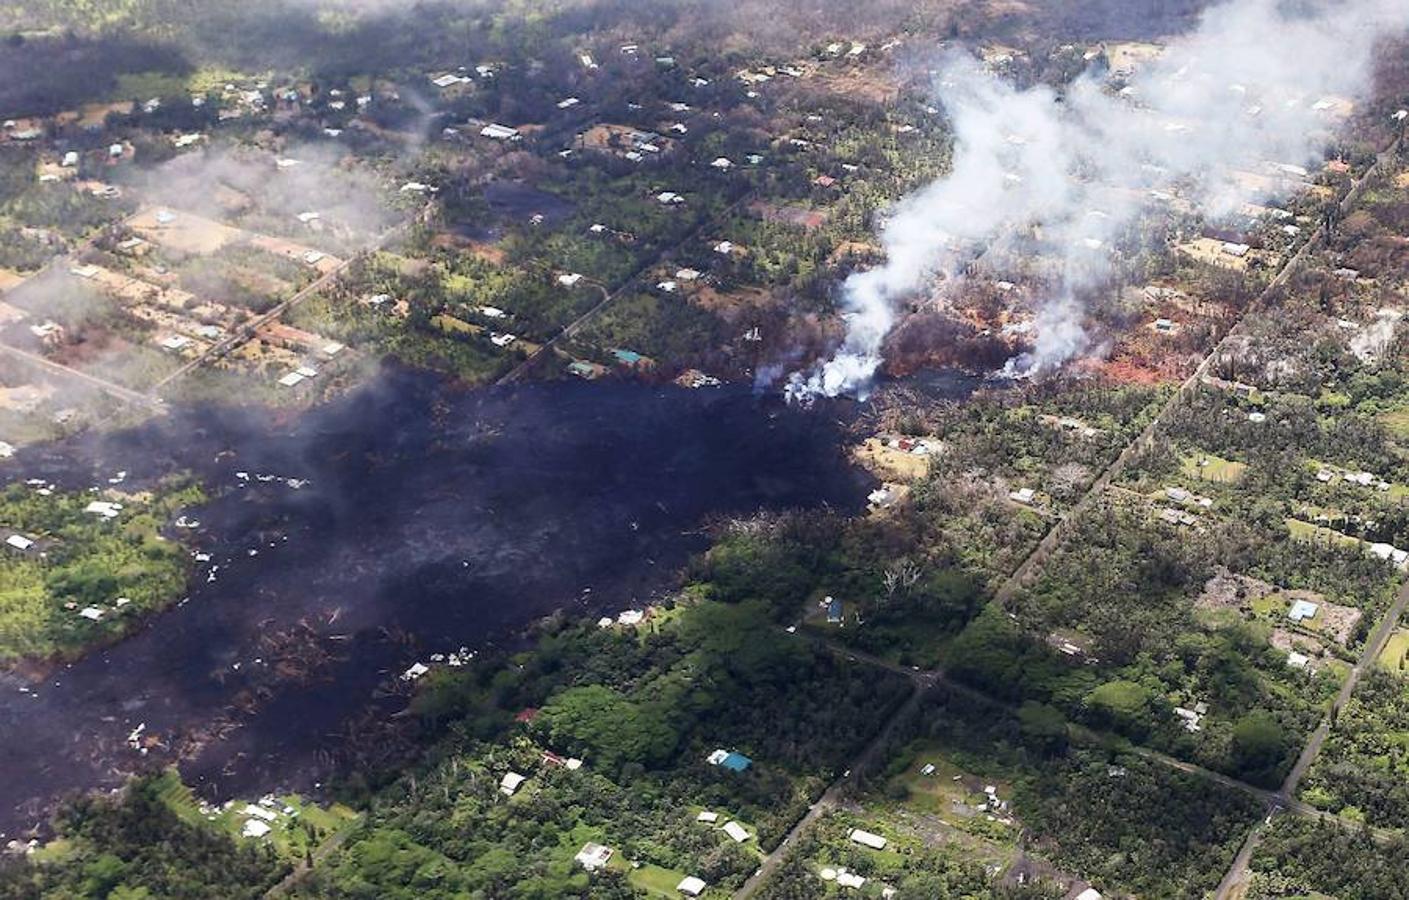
(1257, 87)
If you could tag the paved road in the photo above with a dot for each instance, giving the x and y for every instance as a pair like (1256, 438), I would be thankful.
(127, 395)
(1286, 797)
(245, 331)
(1238, 872)
(832, 797)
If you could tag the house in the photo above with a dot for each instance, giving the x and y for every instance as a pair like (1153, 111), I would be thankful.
(1089, 894)
(500, 132)
(628, 357)
(834, 610)
(1298, 660)
(850, 880)
(1191, 718)
(569, 279)
(729, 759)
(415, 672)
(568, 103)
(687, 274)
(91, 613)
(502, 339)
(1302, 610)
(724, 248)
(709, 818)
(593, 856)
(19, 542)
(1390, 553)
(1165, 326)
(103, 508)
(722, 163)
(1024, 496)
(511, 782)
(175, 343)
(825, 181)
(670, 198)
(867, 839)
(737, 832)
(691, 886)
(254, 828)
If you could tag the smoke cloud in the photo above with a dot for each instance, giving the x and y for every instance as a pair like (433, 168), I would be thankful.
(1257, 87)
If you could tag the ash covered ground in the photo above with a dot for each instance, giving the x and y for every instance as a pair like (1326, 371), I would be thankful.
(405, 519)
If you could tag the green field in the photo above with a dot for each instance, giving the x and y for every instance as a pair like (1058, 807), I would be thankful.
(1396, 649)
(1305, 531)
(1207, 467)
(1397, 421)
(656, 881)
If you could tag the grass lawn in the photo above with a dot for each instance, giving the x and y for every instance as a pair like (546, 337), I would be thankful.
(1397, 421)
(950, 793)
(656, 881)
(290, 835)
(1392, 656)
(1207, 467)
(1305, 531)
(1273, 604)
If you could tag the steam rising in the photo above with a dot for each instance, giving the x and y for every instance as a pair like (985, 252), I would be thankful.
(1256, 88)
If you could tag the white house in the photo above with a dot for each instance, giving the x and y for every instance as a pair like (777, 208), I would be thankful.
(593, 856)
(691, 886)
(737, 832)
(511, 782)
(867, 839)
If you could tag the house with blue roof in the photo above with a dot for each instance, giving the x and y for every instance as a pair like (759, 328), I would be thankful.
(729, 759)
